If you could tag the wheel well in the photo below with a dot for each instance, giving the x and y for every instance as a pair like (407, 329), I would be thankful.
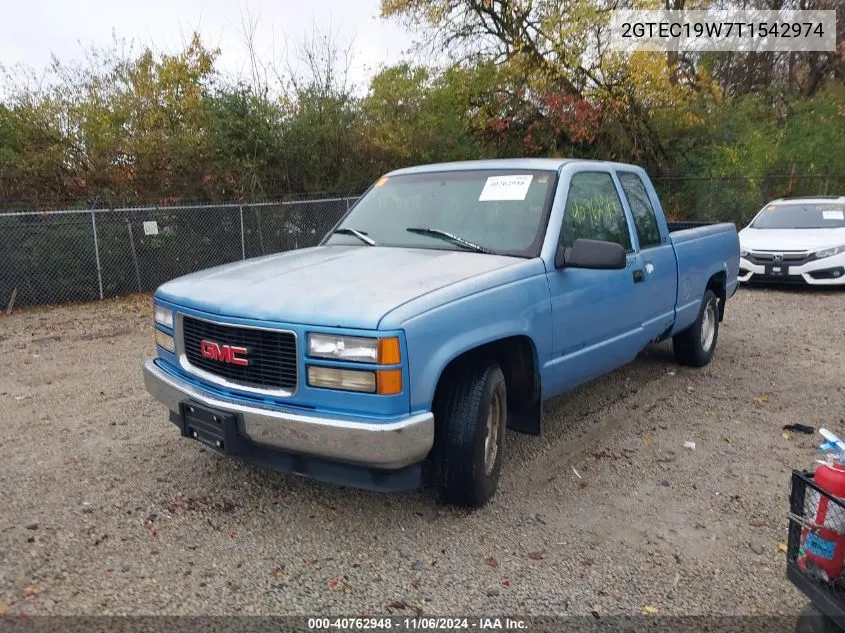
(515, 356)
(717, 283)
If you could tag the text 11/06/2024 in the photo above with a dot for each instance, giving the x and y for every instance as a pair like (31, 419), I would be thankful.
(417, 623)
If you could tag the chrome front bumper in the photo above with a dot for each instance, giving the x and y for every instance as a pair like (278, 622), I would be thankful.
(389, 446)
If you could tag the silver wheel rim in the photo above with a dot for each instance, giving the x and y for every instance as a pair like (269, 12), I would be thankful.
(491, 441)
(708, 326)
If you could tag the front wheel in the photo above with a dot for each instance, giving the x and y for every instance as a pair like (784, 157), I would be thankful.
(696, 345)
(470, 418)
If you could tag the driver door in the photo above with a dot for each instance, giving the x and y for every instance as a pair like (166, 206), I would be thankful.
(597, 324)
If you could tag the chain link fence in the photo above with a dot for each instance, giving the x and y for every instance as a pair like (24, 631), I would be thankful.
(77, 255)
(737, 198)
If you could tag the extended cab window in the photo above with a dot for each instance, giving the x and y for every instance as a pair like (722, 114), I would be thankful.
(594, 211)
(644, 219)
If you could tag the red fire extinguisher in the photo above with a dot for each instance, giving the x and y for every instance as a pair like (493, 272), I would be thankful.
(822, 551)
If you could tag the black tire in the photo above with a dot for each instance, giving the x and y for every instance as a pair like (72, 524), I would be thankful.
(811, 620)
(691, 346)
(465, 471)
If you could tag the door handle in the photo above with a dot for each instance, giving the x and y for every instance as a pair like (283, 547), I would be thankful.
(639, 276)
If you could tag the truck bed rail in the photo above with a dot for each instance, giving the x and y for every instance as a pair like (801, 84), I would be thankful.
(683, 225)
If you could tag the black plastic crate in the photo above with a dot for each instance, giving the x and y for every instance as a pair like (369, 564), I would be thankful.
(806, 535)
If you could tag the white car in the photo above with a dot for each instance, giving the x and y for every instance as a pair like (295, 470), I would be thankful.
(799, 240)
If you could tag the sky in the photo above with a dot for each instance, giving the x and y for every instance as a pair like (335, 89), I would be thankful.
(34, 29)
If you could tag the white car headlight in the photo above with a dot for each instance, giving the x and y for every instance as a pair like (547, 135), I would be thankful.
(164, 316)
(384, 351)
(743, 252)
(165, 340)
(830, 252)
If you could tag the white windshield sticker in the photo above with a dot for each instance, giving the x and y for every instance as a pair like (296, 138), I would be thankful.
(505, 188)
(833, 215)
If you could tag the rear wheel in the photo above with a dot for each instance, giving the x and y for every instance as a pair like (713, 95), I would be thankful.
(696, 345)
(470, 418)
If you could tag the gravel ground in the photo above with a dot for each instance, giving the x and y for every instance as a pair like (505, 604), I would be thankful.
(104, 509)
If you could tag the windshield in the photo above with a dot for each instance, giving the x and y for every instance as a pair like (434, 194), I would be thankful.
(500, 211)
(801, 215)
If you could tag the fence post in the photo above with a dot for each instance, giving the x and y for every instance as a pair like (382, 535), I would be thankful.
(260, 232)
(134, 254)
(243, 244)
(347, 204)
(97, 252)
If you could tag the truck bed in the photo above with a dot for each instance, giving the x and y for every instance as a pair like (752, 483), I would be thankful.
(702, 249)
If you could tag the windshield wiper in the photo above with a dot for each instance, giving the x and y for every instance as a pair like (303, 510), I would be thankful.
(450, 237)
(359, 234)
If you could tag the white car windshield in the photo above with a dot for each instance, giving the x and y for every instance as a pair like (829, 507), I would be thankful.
(801, 215)
(498, 211)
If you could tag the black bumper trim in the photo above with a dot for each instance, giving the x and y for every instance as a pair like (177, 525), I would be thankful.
(837, 272)
(776, 279)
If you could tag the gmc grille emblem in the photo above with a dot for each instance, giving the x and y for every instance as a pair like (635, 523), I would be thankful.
(223, 353)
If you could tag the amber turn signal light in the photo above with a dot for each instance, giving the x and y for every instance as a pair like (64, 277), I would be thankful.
(389, 382)
(388, 351)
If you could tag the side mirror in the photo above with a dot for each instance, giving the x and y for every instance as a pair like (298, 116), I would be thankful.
(595, 254)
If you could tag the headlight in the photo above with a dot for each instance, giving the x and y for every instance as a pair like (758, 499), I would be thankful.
(830, 252)
(164, 316)
(384, 351)
(743, 252)
(385, 382)
(346, 379)
(165, 340)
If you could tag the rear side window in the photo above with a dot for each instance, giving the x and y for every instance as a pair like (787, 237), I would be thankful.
(644, 219)
(594, 211)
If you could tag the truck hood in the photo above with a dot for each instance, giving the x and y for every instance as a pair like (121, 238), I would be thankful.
(791, 239)
(335, 286)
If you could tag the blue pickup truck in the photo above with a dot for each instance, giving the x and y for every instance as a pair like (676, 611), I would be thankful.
(441, 310)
